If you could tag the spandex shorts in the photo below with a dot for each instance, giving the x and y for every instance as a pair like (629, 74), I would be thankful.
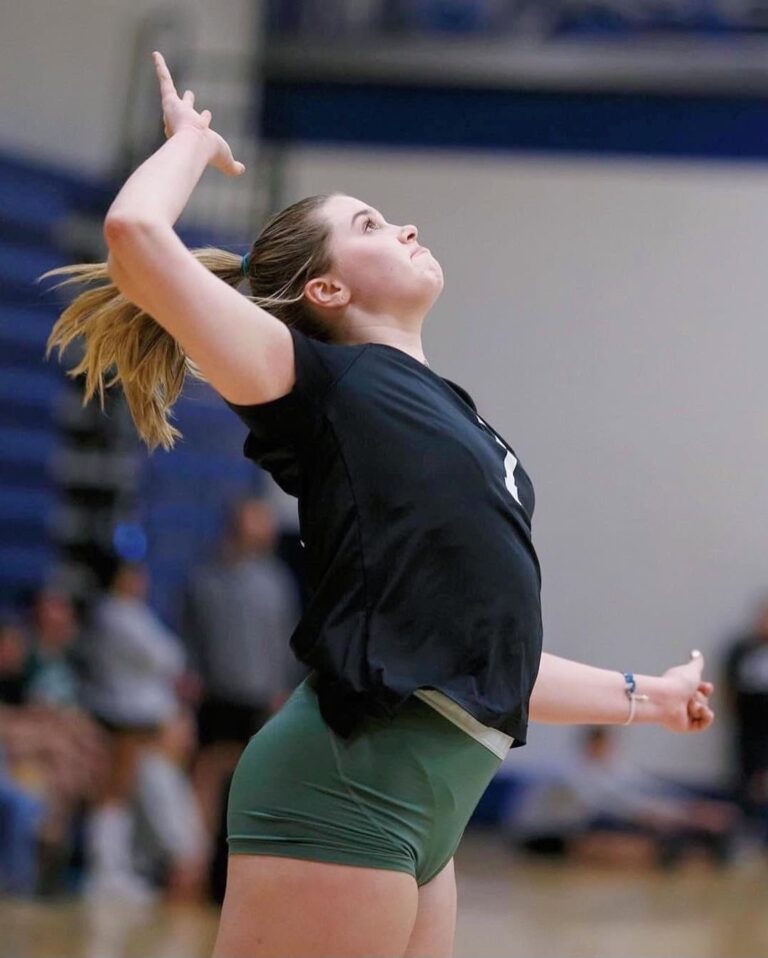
(398, 794)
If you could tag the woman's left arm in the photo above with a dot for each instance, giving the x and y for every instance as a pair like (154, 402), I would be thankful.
(571, 693)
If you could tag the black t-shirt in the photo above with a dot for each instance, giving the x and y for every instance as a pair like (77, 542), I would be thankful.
(416, 521)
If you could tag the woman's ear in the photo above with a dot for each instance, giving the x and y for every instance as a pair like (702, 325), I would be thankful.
(326, 292)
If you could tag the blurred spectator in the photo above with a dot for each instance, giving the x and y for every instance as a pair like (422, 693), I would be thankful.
(21, 816)
(604, 808)
(21, 812)
(746, 692)
(289, 548)
(52, 757)
(134, 665)
(172, 841)
(13, 659)
(239, 613)
(50, 677)
(133, 661)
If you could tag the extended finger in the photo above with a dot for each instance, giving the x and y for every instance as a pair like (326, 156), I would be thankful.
(167, 86)
(189, 97)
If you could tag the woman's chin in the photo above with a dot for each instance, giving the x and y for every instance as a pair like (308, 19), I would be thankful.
(437, 280)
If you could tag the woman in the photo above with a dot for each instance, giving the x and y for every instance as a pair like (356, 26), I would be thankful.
(424, 631)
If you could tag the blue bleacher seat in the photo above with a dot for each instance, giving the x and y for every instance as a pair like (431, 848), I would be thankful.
(37, 210)
(24, 566)
(34, 203)
(183, 492)
(27, 327)
(20, 267)
(31, 387)
(35, 475)
(25, 516)
(27, 446)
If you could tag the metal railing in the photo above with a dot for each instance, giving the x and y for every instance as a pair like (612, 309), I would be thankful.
(665, 46)
(512, 18)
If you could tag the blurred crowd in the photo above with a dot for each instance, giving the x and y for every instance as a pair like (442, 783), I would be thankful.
(602, 806)
(119, 736)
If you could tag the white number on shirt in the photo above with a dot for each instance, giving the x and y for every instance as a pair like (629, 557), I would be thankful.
(510, 462)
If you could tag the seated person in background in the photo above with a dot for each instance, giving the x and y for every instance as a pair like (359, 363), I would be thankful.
(53, 757)
(21, 810)
(50, 677)
(605, 809)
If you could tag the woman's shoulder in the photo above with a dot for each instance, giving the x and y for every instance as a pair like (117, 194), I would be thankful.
(322, 364)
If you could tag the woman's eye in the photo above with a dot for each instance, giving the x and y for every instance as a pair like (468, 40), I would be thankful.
(369, 222)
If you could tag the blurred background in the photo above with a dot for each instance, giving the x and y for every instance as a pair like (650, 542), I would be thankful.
(593, 177)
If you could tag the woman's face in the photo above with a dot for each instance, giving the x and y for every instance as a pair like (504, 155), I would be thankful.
(380, 267)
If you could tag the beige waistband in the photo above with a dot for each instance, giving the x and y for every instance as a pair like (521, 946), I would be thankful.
(492, 738)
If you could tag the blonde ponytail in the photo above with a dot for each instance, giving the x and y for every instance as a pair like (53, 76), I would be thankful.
(121, 339)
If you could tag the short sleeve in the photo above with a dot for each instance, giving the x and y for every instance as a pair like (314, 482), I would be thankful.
(283, 431)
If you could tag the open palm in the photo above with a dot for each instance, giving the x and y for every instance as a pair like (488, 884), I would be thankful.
(179, 112)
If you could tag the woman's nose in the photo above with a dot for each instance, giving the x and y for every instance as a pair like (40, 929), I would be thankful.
(409, 233)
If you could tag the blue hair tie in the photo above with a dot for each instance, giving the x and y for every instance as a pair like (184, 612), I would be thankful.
(244, 264)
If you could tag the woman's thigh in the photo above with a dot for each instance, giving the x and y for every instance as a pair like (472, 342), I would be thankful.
(434, 930)
(290, 908)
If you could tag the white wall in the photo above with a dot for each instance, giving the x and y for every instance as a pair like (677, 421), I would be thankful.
(65, 67)
(608, 318)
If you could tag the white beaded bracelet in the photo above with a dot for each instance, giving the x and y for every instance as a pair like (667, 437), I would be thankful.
(632, 695)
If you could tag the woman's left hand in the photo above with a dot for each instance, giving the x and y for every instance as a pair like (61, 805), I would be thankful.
(686, 707)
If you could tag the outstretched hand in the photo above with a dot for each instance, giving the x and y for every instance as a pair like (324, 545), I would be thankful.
(179, 112)
(688, 697)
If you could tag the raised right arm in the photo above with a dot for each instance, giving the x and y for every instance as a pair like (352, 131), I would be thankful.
(244, 352)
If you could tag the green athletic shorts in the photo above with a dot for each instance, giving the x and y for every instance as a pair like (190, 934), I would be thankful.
(397, 795)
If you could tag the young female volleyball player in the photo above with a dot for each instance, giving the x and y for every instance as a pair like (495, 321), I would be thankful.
(423, 633)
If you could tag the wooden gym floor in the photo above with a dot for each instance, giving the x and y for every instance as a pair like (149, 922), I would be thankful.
(508, 908)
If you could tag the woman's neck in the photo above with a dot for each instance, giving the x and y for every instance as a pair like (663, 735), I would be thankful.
(409, 341)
